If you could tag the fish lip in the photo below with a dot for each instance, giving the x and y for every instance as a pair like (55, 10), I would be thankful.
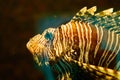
(30, 49)
(27, 45)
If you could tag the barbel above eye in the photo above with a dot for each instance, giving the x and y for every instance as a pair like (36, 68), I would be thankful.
(48, 36)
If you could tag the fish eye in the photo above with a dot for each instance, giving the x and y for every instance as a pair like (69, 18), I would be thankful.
(48, 36)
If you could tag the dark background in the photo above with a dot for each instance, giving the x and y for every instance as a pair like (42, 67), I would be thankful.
(22, 19)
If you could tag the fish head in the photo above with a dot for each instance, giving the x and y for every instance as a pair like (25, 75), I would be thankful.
(40, 44)
(34, 45)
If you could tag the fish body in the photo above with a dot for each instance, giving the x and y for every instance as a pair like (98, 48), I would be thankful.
(89, 43)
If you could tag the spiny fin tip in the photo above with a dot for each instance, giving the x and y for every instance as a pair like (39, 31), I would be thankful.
(92, 10)
(105, 12)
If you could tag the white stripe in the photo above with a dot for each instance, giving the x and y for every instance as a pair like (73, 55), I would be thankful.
(68, 34)
(83, 41)
(116, 56)
(117, 67)
(78, 31)
(55, 40)
(103, 54)
(90, 35)
(71, 30)
(63, 33)
(87, 45)
(110, 46)
(112, 56)
(99, 39)
(58, 47)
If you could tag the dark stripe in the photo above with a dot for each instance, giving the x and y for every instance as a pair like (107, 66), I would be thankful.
(93, 45)
(76, 40)
(61, 37)
(116, 59)
(75, 36)
(105, 63)
(85, 40)
(80, 41)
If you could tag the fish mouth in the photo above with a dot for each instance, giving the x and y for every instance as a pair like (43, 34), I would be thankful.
(28, 47)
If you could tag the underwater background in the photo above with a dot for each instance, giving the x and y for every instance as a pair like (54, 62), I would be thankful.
(22, 19)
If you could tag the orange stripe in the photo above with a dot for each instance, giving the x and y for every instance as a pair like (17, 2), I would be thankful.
(93, 45)
(82, 42)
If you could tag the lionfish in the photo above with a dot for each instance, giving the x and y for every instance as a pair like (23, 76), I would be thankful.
(87, 47)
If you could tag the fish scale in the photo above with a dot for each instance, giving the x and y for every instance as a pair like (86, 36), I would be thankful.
(90, 41)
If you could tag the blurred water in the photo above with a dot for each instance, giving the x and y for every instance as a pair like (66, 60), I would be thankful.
(51, 20)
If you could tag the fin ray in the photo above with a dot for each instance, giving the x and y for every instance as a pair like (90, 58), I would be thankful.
(106, 18)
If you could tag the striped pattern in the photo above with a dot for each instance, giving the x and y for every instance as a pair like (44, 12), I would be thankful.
(83, 43)
(90, 40)
(93, 45)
